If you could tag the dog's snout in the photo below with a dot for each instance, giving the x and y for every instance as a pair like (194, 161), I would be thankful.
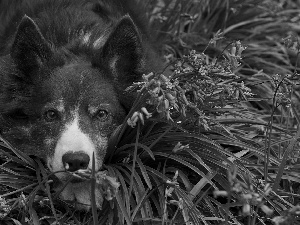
(75, 160)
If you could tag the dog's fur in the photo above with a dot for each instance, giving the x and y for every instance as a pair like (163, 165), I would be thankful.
(64, 65)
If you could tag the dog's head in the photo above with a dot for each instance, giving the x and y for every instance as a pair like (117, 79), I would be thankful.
(62, 103)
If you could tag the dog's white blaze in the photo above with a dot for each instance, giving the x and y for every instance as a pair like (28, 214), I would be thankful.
(73, 139)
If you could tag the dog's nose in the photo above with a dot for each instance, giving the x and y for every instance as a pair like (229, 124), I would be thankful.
(75, 160)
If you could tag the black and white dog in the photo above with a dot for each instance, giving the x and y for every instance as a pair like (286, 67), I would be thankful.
(64, 65)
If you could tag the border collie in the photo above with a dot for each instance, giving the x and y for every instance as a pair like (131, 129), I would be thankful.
(64, 65)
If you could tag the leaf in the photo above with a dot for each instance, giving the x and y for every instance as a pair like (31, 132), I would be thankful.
(139, 205)
(144, 147)
(34, 216)
(20, 154)
(123, 209)
(185, 163)
(199, 186)
(16, 221)
(121, 178)
(144, 172)
(134, 156)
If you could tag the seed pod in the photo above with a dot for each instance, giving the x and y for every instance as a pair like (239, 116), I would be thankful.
(170, 97)
(168, 115)
(216, 71)
(167, 105)
(141, 117)
(214, 61)
(135, 119)
(184, 99)
(237, 94)
(146, 77)
(135, 114)
(164, 78)
(267, 189)
(218, 193)
(247, 196)
(246, 209)
(150, 82)
(129, 122)
(145, 111)
(241, 49)
(160, 98)
(155, 91)
(267, 210)
(233, 50)
(158, 83)
(183, 110)
(195, 95)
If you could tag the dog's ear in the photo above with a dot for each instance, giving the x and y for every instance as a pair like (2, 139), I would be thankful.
(30, 49)
(123, 51)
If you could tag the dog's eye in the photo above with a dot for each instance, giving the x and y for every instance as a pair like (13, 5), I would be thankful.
(102, 115)
(51, 115)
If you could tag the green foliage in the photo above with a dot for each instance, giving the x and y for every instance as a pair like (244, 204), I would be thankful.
(212, 139)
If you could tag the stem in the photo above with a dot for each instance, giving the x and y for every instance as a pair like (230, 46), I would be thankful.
(269, 129)
(93, 195)
(134, 158)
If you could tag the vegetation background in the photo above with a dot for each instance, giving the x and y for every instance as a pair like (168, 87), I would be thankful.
(214, 140)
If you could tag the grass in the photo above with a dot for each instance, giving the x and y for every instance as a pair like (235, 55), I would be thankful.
(213, 142)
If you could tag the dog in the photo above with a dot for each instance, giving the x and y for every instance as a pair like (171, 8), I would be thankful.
(64, 66)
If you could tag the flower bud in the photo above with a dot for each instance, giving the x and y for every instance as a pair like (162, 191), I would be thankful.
(218, 193)
(167, 105)
(233, 50)
(267, 210)
(145, 111)
(141, 117)
(246, 209)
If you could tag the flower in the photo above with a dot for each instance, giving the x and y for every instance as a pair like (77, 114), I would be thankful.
(246, 209)
(218, 193)
(179, 147)
(4, 208)
(133, 119)
(266, 210)
(145, 111)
